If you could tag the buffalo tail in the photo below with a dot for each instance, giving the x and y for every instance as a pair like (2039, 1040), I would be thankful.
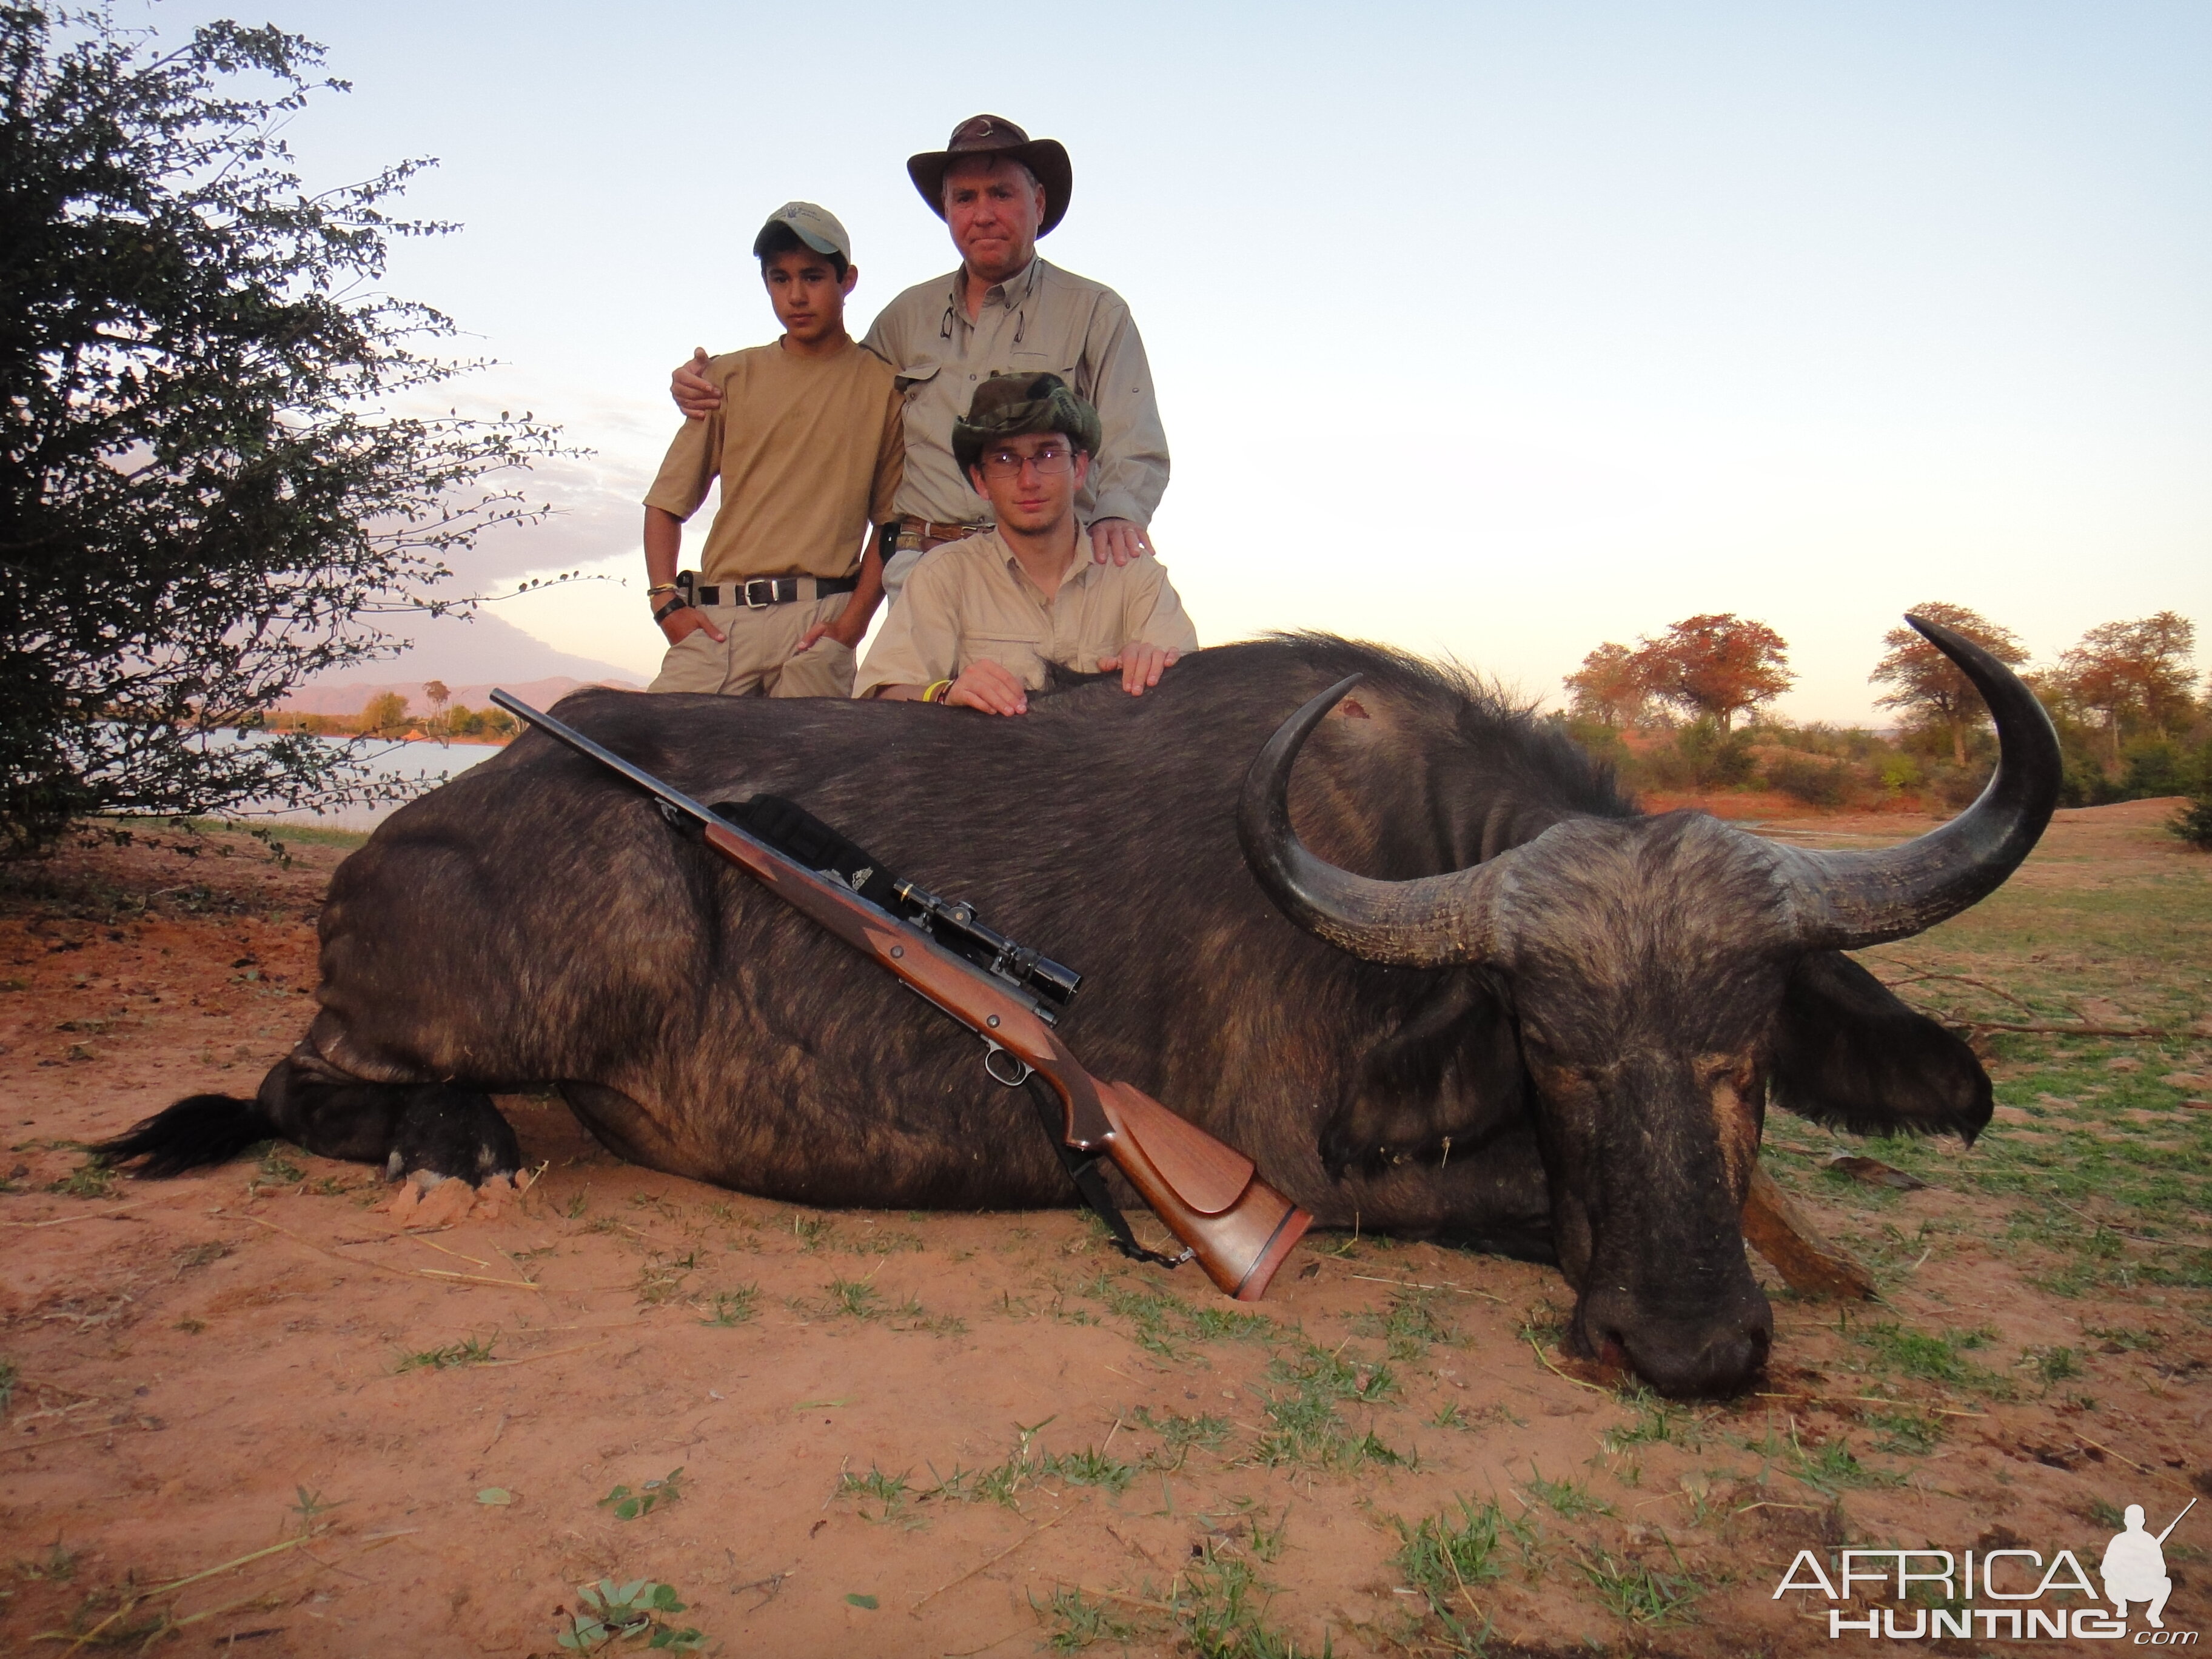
(197, 1131)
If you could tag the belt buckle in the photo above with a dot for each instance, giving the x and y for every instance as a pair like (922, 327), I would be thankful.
(767, 583)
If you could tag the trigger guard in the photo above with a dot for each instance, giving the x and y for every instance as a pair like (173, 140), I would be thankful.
(990, 1066)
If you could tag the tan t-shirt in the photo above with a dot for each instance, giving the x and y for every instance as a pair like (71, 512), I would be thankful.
(967, 601)
(809, 451)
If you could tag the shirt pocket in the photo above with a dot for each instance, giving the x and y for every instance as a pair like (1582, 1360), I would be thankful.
(1049, 362)
(1020, 653)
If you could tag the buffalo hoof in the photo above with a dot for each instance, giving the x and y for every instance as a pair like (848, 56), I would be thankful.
(451, 1133)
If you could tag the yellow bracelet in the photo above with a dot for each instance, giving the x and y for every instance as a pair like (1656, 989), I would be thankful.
(935, 690)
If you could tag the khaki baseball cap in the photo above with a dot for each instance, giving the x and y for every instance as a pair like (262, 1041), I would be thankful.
(817, 227)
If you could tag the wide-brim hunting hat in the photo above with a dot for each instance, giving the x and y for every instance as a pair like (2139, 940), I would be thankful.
(994, 135)
(817, 227)
(1009, 406)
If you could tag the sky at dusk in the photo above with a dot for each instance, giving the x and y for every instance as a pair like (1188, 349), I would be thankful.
(1493, 331)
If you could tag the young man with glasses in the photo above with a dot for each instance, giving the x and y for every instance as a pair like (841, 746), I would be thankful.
(808, 444)
(982, 616)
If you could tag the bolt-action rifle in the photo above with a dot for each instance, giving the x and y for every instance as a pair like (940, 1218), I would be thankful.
(1235, 1226)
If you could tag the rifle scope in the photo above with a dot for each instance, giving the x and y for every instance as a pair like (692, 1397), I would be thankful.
(954, 924)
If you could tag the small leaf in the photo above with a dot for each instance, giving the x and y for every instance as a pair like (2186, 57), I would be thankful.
(860, 1600)
(494, 1495)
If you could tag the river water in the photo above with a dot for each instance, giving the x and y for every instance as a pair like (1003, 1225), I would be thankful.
(436, 762)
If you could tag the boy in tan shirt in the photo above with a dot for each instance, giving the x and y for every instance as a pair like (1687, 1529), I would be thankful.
(808, 445)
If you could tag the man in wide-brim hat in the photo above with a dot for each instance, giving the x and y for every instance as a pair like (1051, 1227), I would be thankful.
(1005, 311)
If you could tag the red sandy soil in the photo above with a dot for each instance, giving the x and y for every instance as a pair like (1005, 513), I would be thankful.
(210, 1367)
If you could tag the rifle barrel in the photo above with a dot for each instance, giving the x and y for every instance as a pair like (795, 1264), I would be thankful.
(637, 775)
(2176, 1522)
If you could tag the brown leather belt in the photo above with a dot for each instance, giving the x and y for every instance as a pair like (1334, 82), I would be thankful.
(930, 530)
(761, 592)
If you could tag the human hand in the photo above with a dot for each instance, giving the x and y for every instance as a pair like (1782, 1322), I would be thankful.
(695, 394)
(835, 629)
(1142, 664)
(990, 687)
(1120, 540)
(687, 619)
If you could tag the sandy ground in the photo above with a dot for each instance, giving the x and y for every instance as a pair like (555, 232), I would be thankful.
(213, 1367)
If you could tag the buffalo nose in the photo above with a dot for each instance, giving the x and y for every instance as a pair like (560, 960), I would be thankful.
(1719, 1361)
(1685, 1359)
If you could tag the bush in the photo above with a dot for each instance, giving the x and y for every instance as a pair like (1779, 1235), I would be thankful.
(2193, 823)
(1709, 758)
(210, 487)
(2155, 766)
(1816, 782)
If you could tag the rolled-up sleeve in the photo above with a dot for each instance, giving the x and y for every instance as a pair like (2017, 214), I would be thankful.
(919, 639)
(1154, 612)
(1129, 474)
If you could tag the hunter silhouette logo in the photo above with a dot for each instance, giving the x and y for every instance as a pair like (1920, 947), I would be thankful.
(2133, 1568)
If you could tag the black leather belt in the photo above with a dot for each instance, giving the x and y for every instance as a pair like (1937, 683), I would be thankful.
(762, 592)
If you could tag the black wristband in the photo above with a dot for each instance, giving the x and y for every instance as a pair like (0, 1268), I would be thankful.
(679, 602)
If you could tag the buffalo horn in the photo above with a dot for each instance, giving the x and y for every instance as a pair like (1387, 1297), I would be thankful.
(1423, 923)
(1847, 900)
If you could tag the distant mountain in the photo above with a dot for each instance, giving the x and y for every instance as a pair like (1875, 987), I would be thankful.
(471, 656)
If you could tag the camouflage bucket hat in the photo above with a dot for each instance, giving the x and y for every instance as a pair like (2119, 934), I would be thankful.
(1009, 406)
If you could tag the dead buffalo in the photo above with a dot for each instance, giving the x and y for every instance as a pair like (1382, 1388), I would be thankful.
(1534, 1021)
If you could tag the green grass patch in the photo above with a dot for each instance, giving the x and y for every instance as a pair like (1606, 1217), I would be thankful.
(1077, 1623)
(469, 1350)
(1568, 1500)
(1408, 1326)
(1167, 1325)
(1934, 1358)
(887, 1491)
(738, 1307)
(90, 1179)
(1635, 1591)
(1445, 1557)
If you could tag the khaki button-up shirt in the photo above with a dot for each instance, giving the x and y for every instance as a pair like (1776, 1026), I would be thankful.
(968, 601)
(1043, 319)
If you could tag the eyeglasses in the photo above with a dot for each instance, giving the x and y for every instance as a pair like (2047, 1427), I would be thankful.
(1048, 459)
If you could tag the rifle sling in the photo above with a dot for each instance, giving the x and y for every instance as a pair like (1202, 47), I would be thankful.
(1091, 1186)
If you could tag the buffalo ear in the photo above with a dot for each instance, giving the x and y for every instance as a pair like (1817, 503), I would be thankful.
(1451, 1070)
(1849, 1055)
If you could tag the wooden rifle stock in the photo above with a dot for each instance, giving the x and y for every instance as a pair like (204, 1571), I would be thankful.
(1209, 1196)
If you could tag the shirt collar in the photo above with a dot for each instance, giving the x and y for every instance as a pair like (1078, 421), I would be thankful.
(1015, 289)
(1080, 566)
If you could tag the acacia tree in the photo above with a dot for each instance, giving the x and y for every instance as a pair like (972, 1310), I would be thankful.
(1608, 688)
(1716, 664)
(1928, 686)
(2134, 675)
(209, 482)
